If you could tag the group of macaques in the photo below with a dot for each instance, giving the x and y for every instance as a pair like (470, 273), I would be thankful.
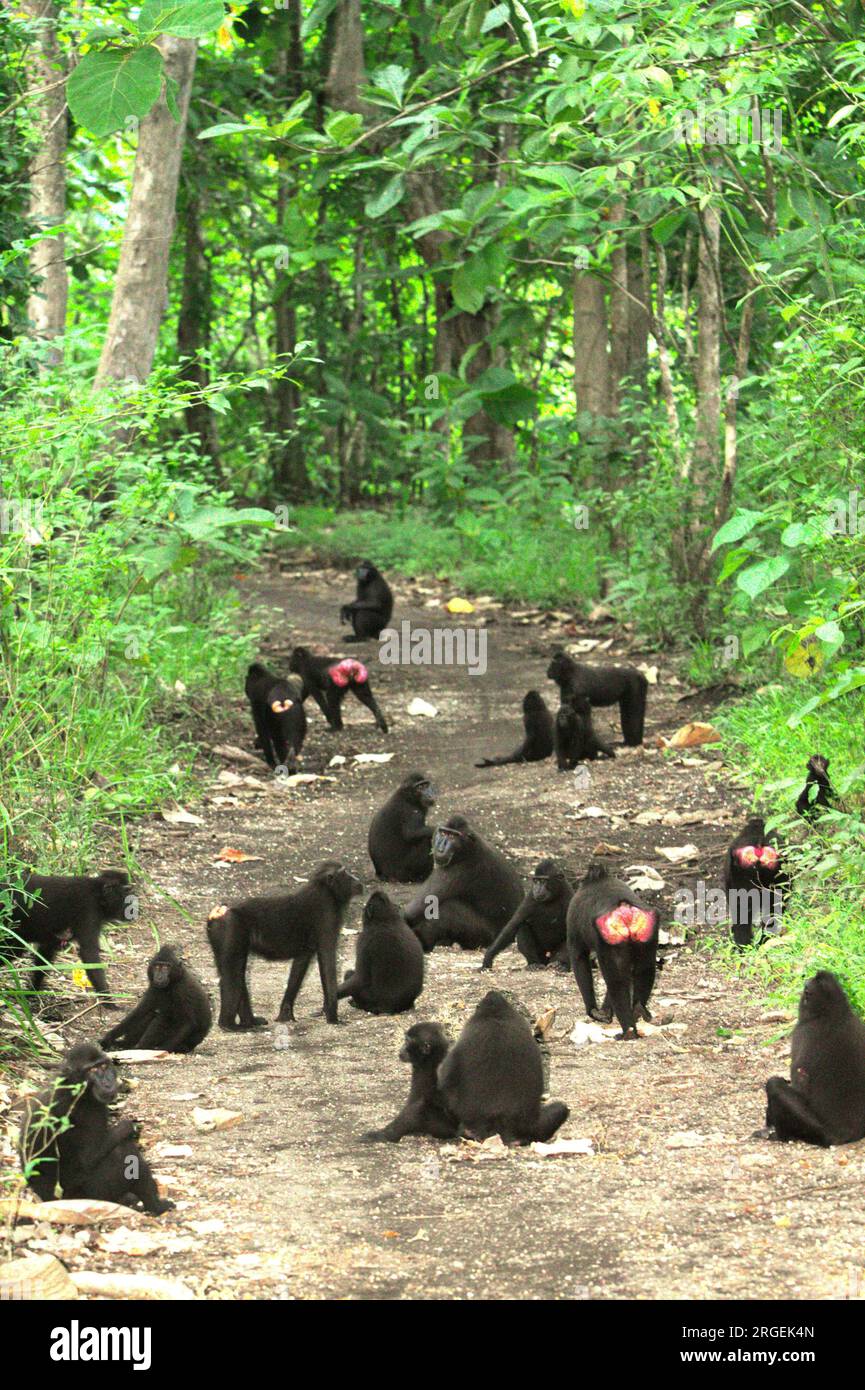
(490, 1081)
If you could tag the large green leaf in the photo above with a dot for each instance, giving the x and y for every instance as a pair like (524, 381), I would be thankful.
(514, 403)
(386, 198)
(756, 578)
(184, 19)
(738, 526)
(106, 88)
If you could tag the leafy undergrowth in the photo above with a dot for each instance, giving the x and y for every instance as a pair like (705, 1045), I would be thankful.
(118, 625)
(498, 553)
(824, 923)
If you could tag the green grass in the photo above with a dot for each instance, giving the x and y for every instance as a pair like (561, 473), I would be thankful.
(825, 919)
(499, 553)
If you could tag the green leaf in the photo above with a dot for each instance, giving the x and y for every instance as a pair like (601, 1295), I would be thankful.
(392, 81)
(796, 534)
(840, 115)
(523, 28)
(830, 633)
(342, 126)
(184, 19)
(475, 18)
(108, 87)
(316, 17)
(515, 403)
(230, 128)
(756, 578)
(738, 526)
(387, 198)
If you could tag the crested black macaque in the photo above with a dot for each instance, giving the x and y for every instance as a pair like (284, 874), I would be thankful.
(824, 1100)
(538, 741)
(399, 840)
(278, 716)
(755, 881)
(173, 1012)
(70, 909)
(424, 1112)
(624, 686)
(373, 605)
(608, 920)
(539, 924)
(811, 801)
(68, 1141)
(293, 926)
(389, 961)
(328, 679)
(492, 1079)
(472, 892)
(576, 740)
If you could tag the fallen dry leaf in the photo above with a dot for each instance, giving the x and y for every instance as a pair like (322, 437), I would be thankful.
(208, 1120)
(421, 707)
(459, 605)
(690, 736)
(72, 1211)
(560, 1147)
(678, 854)
(233, 754)
(177, 815)
(228, 855)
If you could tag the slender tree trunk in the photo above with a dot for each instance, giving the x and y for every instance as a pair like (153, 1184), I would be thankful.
(46, 306)
(591, 357)
(193, 328)
(708, 378)
(289, 473)
(141, 283)
(618, 310)
(638, 324)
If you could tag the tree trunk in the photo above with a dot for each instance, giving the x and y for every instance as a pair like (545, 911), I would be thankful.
(141, 283)
(193, 328)
(289, 473)
(708, 373)
(46, 305)
(638, 324)
(618, 309)
(591, 357)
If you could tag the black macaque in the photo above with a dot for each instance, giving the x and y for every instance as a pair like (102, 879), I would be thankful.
(278, 716)
(492, 1079)
(538, 741)
(608, 920)
(755, 881)
(470, 895)
(424, 1112)
(575, 738)
(624, 686)
(173, 1013)
(399, 840)
(824, 1100)
(539, 924)
(70, 909)
(389, 961)
(328, 679)
(294, 926)
(373, 605)
(809, 804)
(89, 1156)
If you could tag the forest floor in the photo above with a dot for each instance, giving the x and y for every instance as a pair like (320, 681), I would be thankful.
(676, 1201)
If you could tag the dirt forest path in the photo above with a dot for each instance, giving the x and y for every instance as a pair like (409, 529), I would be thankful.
(677, 1200)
